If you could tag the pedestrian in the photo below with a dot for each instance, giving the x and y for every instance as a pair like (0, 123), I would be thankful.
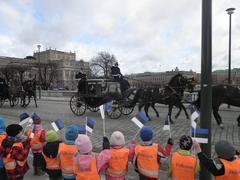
(117, 165)
(51, 164)
(182, 164)
(147, 155)
(37, 143)
(14, 151)
(225, 166)
(86, 164)
(3, 135)
(66, 151)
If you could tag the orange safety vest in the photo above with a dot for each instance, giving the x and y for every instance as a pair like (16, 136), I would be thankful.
(147, 162)
(9, 163)
(36, 145)
(2, 137)
(118, 164)
(183, 167)
(52, 163)
(232, 170)
(88, 175)
(66, 153)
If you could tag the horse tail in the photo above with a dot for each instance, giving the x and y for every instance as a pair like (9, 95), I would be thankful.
(136, 97)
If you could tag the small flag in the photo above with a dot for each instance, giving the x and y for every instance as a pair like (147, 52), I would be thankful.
(104, 108)
(24, 119)
(194, 116)
(57, 125)
(166, 124)
(140, 119)
(89, 124)
(200, 135)
(81, 129)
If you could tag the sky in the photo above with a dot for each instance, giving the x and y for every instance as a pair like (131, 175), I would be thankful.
(144, 35)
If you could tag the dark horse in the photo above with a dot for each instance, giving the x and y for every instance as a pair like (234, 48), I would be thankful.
(222, 94)
(29, 88)
(171, 95)
(5, 92)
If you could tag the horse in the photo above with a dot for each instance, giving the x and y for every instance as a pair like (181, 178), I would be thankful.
(5, 92)
(171, 95)
(222, 94)
(29, 88)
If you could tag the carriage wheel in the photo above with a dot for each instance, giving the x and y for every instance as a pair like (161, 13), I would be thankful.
(77, 106)
(96, 109)
(126, 110)
(2, 100)
(115, 112)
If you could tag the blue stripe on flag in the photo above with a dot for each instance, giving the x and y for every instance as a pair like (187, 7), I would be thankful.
(81, 129)
(142, 117)
(90, 122)
(200, 131)
(59, 124)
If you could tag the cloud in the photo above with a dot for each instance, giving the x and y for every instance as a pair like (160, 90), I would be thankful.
(146, 35)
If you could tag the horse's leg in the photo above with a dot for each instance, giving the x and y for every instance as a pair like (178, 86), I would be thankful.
(179, 111)
(170, 107)
(35, 100)
(140, 106)
(153, 106)
(185, 111)
(217, 116)
(238, 120)
(146, 107)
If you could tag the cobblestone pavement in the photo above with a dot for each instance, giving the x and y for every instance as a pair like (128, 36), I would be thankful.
(52, 109)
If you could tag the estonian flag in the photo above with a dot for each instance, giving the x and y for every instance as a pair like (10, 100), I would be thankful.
(57, 125)
(104, 108)
(194, 116)
(200, 135)
(81, 129)
(89, 124)
(140, 119)
(24, 119)
(166, 124)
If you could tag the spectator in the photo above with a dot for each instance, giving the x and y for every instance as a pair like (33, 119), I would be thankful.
(147, 155)
(225, 166)
(66, 152)
(2, 137)
(51, 164)
(182, 164)
(14, 151)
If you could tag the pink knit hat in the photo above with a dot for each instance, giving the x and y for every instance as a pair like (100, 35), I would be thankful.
(84, 144)
(117, 139)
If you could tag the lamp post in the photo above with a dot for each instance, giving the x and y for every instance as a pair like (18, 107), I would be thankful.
(230, 12)
(39, 71)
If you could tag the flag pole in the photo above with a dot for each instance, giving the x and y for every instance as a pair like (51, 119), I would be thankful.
(170, 134)
(104, 133)
(135, 136)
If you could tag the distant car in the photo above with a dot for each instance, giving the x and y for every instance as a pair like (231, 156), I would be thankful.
(61, 88)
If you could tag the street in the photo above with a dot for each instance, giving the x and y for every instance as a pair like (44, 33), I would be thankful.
(49, 110)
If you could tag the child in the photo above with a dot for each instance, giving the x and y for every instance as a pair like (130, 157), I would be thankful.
(182, 164)
(146, 156)
(14, 151)
(225, 166)
(66, 152)
(2, 137)
(51, 165)
(37, 143)
(86, 165)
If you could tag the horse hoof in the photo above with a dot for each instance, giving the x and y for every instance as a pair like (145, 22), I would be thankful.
(172, 122)
(221, 126)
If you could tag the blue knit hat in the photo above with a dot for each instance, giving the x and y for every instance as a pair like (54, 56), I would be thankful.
(146, 134)
(36, 118)
(71, 133)
(2, 125)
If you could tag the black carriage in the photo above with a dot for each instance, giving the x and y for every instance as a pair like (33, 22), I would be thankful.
(93, 93)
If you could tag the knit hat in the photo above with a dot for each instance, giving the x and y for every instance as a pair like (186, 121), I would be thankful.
(36, 118)
(71, 133)
(51, 136)
(146, 134)
(13, 129)
(185, 142)
(83, 143)
(23, 116)
(2, 125)
(117, 139)
(225, 150)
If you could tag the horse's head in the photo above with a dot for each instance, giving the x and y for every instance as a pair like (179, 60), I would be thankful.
(190, 84)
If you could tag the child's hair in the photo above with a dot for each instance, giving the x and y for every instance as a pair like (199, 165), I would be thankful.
(185, 142)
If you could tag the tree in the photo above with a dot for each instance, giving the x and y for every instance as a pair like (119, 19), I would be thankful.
(102, 63)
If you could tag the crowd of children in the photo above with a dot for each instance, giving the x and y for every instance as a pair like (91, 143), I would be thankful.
(73, 158)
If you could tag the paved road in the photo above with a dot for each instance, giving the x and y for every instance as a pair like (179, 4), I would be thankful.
(52, 109)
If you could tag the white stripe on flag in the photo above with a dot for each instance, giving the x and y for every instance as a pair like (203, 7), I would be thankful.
(54, 126)
(137, 122)
(27, 120)
(194, 115)
(166, 127)
(102, 111)
(194, 124)
(201, 140)
(89, 129)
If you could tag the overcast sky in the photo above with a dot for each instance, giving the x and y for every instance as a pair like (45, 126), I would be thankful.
(144, 35)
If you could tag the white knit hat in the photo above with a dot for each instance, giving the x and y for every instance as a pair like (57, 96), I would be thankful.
(117, 139)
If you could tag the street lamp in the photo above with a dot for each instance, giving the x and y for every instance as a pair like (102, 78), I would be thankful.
(230, 12)
(39, 71)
